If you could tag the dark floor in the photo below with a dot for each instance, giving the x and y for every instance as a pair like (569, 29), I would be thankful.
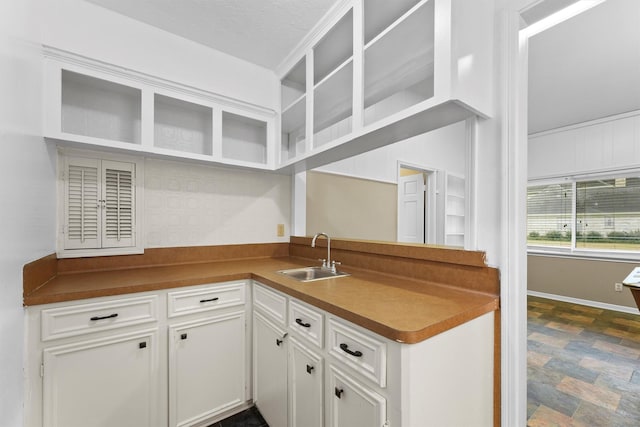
(249, 418)
(583, 366)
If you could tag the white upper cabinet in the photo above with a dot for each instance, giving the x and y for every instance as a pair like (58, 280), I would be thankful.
(380, 71)
(93, 104)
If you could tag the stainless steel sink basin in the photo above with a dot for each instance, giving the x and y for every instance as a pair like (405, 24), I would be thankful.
(309, 274)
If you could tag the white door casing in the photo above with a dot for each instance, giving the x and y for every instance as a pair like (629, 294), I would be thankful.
(411, 194)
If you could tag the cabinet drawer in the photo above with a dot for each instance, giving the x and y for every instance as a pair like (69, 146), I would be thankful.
(214, 297)
(306, 322)
(363, 352)
(271, 303)
(101, 316)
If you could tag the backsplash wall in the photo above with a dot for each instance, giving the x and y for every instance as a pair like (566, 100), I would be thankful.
(197, 205)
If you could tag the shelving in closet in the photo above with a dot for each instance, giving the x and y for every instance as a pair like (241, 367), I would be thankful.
(455, 210)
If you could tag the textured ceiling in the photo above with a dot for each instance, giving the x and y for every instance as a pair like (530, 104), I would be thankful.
(259, 31)
(583, 69)
(586, 68)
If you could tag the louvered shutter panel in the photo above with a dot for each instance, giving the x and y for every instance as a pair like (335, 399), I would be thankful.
(119, 201)
(82, 209)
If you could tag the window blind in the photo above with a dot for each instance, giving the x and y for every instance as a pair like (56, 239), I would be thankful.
(549, 215)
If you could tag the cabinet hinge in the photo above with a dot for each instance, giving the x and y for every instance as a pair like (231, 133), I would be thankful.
(42, 370)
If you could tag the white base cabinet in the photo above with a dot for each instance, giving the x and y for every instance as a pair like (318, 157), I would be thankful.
(169, 358)
(206, 368)
(306, 385)
(104, 382)
(352, 404)
(270, 370)
(348, 376)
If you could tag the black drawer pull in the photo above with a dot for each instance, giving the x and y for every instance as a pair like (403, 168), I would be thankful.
(278, 342)
(210, 299)
(301, 323)
(142, 345)
(183, 336)
(309, 369)
(111, 316)
(338, 392)
(345, 348)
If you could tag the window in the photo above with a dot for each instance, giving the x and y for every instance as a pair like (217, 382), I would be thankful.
(585, 215)
(98, 200)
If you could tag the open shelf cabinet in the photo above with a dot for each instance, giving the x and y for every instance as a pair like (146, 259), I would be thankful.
(381, 71)
(97, 105)
(99, 108)
(182, 126)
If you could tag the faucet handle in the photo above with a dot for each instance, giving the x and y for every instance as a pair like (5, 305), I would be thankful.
(335, 263)
(324, 262)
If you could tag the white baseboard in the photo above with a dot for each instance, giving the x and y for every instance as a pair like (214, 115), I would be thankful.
(596, 304)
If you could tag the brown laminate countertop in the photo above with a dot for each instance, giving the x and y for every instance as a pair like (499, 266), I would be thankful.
(401, 309)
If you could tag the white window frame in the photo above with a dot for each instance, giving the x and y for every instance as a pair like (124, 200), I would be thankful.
(572, 251)
(138, 248)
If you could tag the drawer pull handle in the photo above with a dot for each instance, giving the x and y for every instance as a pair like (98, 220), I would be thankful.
(143, 344)
(309, 369)
(183, 336)
(338, 392)
(111, 316)
(344, 347)
(209, 300)
(301, 323)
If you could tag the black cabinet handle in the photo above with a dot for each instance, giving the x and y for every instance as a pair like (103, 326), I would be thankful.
(142, 345)
(183, 336)
(309, 369)
(301, 323)
(338, 392)
(344, 347)
(278, 342)
(111, 316)
(209, 300)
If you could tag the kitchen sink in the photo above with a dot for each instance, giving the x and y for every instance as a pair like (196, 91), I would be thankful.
(310, 274)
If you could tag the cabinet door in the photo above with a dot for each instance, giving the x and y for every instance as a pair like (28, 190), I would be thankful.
(102, 383)
(352, 404)
(206, 368)
(270, 371)
(306, 386)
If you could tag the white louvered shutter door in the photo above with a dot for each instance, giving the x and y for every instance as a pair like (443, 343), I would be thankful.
(82, 206)
(118, 223)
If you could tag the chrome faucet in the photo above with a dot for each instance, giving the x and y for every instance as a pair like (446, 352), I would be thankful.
(326, 263)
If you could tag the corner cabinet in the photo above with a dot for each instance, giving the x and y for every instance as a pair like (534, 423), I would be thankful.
(375, 72)
(312, 368)
(96, 105)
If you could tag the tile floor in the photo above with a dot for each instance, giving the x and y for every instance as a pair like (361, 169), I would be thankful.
(583, 366)
(248, 418)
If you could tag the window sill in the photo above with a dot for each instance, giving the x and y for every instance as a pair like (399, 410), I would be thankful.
(626, 257)
(82, 253)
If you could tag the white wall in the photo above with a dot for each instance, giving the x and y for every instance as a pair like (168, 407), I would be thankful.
(442, 149)
(193, 205)
(596, 146)
(86, 29)
(26, 185)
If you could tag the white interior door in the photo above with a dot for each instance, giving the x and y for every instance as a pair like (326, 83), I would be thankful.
(411, 208)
